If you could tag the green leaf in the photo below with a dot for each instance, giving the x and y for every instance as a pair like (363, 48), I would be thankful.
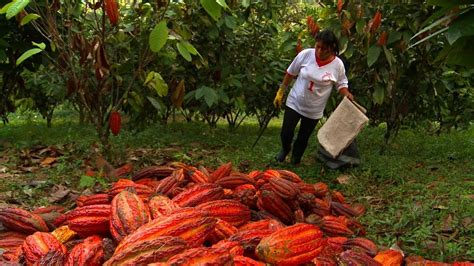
(39, 45)
(149, 77)
(222, 3)
(230, 22)
(5, 8)
(158, 36)
(87, 181)
(461, 27)
(388, 56)
(29, 18)
(210, 97)
(191, 48)
(155, 103)
(212, 8)
(16, 7)
(360, 26)
(246, 3)
(160, 85)
(373, 55)
(378, 95)
(183, 51)
(27, 54)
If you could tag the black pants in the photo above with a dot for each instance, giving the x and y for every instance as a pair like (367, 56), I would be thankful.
(307, 125)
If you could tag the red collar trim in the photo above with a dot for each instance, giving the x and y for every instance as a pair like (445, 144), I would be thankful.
(322, 63)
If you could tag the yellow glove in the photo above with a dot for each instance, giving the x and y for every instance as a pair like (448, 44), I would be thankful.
(279, 97)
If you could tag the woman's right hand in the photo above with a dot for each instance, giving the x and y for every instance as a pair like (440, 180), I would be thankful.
(279, 97)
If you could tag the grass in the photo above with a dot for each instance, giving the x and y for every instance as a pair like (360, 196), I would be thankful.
(418, 193)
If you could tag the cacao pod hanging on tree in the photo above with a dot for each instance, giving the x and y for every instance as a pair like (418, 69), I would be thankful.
(115, 122)
(112, 11)
(375, 23)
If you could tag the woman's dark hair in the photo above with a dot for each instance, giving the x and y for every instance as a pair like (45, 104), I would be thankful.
(329, 39)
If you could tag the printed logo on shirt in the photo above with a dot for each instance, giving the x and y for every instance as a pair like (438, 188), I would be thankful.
(326, 77)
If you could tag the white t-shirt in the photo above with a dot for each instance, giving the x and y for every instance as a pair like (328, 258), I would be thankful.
(313, 85)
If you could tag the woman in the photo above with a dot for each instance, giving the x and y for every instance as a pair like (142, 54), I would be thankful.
(317, 70)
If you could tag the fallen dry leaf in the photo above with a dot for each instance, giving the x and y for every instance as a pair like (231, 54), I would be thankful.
(343, 179)
(59, 194)
(48, 161)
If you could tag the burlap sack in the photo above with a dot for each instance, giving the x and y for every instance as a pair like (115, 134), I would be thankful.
(342, 127)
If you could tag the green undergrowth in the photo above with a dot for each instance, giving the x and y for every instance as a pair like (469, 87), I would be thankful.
(418, 193)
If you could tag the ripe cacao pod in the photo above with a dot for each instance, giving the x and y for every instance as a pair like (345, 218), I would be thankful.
(38, 245)
(292, 245)
(231, 211)
(89, 220)
(89, 252)
(115, 121)
(112, 11)
(22, 221)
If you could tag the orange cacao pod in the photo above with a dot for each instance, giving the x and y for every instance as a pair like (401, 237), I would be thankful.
(193, 225)
(63, 234)
(161, 205)
(234, 180)
(89, 220)
(158, 249)
(382, 39)
(89, 252)
(340, 3)
(220, 172)
(128, 213)
(299, 47)
(293, 245)
(199, 193)
(222, 230)
(249, 239)
(167, 184)
(199, 176)
(112, 11)
(321, 189)
(361, 244)
(94, 199)
(351, 257)
(158, 172)
(143, 191)
(275, 205)
(334, 226)
(390, 257)
(234, 247)
(264, 224)
(115, 121)
(202, 256)
(231, 211)
(38, 245)
(375, 22)
(343, 209)
(22, 221)
(9, 241)
(284, 188)
(246, 261)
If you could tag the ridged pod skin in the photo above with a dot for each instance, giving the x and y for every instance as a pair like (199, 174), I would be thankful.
(198, 176)
(290, 176)
(10, 241)
(246, 261)
(361, 244)
(293, 245)
(90, 252)
(202, 256)
(231, 211)
(284, 188)
(157, 172)
(22, 221)
(246, 194)
(161, 205)
(390, 257)
(335, 226)
(234, 247)
(94, 199)
(343, 209)
(199, 193)
(375, 22)
(167, 184)
(222, 230)
(144, 192)
(321, 189)
(63, 233)
(264, 224)
(234, 180)
(324, 261)
(193, 225)
(249, 239)
(37, 245)
(270, 201)
(115, 121)
(158, 249)
(112, 11)
(89, 220)
(220, 172)
(351, 257)
(128, 213)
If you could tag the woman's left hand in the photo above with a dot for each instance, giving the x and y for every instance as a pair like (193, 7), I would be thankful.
(346, 93)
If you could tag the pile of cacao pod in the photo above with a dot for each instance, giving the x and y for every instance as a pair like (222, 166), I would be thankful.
(178, 214)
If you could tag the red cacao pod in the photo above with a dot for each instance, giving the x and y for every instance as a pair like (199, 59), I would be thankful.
(112, 11)
(115, 120)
